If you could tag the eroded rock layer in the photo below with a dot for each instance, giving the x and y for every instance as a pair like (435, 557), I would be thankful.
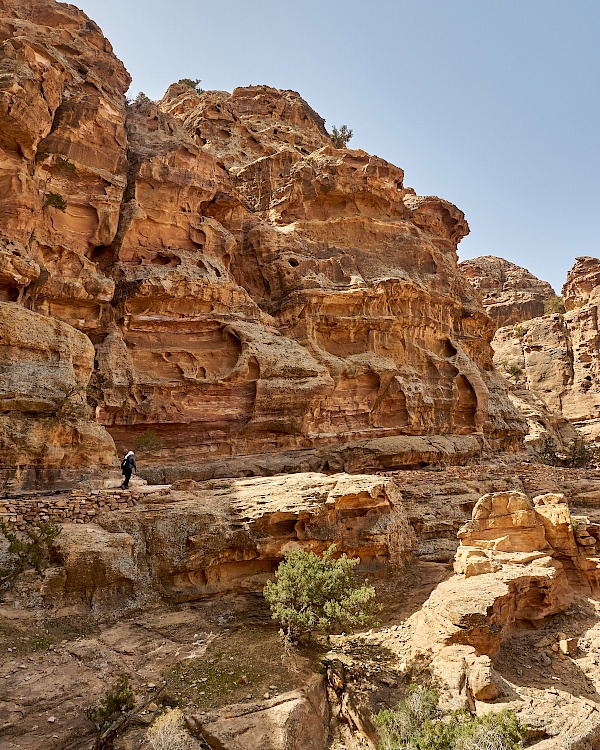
(248, 287)
(509, 293)
(215, 538)
(46, 424)
(556, 355)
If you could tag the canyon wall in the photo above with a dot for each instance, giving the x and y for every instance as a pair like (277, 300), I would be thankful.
(556, 355)
(249, 289)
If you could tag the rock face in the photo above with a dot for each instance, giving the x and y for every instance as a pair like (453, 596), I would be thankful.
(249, 288)
(217, 538)
(557, 355)
(62, 140)
(45, 421)
(296, 721)
(519, 561)
(510, 294)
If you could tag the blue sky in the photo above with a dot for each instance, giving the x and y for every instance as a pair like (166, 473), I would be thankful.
(490, 104)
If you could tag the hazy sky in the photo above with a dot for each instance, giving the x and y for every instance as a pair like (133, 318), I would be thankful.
(491, 104)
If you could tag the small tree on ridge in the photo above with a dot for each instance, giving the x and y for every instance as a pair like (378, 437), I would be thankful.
(340, 136)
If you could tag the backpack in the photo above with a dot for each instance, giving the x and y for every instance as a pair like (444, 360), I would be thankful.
(127, 463)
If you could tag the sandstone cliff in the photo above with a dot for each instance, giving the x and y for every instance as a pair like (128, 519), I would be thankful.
(510, 294)
(249, 289)
(557, 355)
(62, 140)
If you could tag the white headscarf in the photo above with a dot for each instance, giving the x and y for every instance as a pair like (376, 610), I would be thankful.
(129, 454)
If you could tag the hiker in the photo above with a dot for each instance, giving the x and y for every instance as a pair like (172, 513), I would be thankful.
(127, 466)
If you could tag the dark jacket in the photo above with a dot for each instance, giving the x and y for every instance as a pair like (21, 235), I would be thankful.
(127, 464)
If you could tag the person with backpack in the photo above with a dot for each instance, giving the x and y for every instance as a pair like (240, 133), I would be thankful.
(127, 466)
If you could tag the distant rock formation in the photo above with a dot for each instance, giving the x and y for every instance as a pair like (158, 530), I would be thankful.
(249, 288)
(510, 294)
(558, 356)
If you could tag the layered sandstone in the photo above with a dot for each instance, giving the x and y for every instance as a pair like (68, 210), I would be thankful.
(62, 136)
(46, 424)
(217, 538)
(62, 115)
(300, 310)
(557, 355)
(519, 562)
(506, 570)
(509, 293)
(249, 289)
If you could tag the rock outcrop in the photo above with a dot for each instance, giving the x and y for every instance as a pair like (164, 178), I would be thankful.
(216, 538)
(519, 562)
(46, 424)
(249, 288)
(62, 175)
(505, 572)
(297, 720)
(556, 355)
(510, 294)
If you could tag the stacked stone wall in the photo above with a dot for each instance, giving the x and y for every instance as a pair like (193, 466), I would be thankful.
(75, 507)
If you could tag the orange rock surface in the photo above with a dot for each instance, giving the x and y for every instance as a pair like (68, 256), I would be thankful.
(249, 288)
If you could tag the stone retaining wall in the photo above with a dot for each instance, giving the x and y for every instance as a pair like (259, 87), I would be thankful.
(76, 507)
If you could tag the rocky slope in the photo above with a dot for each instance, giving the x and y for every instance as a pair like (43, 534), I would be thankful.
(249, 289)
(166, 592)
(556, 355)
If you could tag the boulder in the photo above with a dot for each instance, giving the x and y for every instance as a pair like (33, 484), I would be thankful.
(297, 720)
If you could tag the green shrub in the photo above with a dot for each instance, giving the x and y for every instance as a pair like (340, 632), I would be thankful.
(147, 441)
(579, 454)
(554, 304)
(117, 699)
(65, 166)
(30, 547)
(141, 98)
(193, 83)
(313, 593)
(494, 731)
(340, 136)
(40, 643)
(417, 723)
(55, 200)
(114, 714)
(548, 453)
(516, 372)
(412, 717)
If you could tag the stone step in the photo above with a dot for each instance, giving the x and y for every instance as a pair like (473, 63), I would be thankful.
(146, 489)
(113, 480)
